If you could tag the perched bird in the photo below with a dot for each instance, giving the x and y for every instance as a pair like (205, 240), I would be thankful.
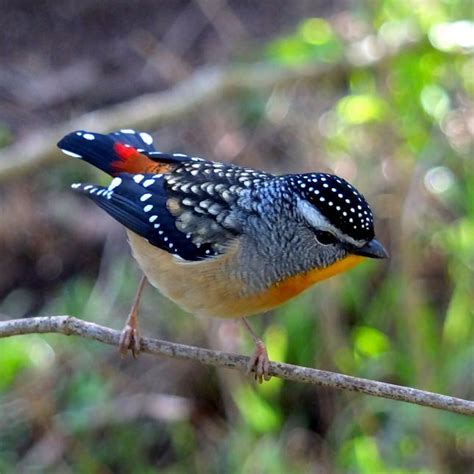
(221, 240)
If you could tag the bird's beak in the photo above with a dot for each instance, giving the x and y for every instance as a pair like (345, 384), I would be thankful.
(372, 249)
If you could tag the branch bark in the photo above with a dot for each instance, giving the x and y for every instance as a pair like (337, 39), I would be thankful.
(69, 325)
(204, 87)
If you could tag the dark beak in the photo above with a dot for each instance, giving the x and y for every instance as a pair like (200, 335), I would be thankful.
(372, 249)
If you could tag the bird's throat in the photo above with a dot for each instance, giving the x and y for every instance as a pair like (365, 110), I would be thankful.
(294, 285)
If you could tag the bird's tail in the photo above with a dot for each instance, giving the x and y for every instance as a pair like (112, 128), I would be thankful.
(115, 153)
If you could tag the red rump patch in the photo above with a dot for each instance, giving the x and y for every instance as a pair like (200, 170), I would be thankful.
(131, 161)
(125, 152)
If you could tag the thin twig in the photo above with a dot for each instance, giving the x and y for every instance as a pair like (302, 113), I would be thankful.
(205, 86)
(69, 325)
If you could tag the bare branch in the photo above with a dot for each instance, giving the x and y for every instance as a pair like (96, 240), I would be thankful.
(204, 87)
(69, 325)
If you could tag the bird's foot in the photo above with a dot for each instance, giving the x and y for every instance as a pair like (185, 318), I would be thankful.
(259, 363)
(130, 338)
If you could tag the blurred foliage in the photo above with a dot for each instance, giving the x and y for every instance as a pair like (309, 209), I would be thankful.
(403, 132)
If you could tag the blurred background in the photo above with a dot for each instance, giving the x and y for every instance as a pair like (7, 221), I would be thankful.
(378, 92)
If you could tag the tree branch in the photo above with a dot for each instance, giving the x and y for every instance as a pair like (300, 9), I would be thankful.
(205, 86)
(69, 325)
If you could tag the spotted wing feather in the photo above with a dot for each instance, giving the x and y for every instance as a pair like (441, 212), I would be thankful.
(203, 198)
(144, 211)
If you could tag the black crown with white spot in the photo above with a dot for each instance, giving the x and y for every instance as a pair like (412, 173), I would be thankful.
(338, 201)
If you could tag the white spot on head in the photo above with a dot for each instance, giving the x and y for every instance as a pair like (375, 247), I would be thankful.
(128, 130)
(326, 185)
(148, 182)
(114, 183)
(302, 185)
(79, 134)
(76, 185)
(179, 155)
(148, 208)
(146, 137)
(145, 197)
(70, 153)
(138, 178)
(88, 136)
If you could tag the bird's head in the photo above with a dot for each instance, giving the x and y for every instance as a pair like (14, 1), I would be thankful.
(337, 214)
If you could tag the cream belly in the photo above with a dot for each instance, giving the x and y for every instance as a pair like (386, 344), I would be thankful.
(204, 288)
(211, 287)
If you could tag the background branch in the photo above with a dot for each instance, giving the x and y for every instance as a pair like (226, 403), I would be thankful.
(69, 325)
(205, 86)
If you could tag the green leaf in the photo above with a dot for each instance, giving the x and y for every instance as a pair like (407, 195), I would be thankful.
(316, 31)
(369, 341)
(435, 101)
(256, 411)
(359, 109)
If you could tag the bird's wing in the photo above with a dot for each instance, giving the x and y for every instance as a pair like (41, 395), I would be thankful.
(182, 204)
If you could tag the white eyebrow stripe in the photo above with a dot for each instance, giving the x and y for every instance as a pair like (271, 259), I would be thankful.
(312, 215)
(316, 220)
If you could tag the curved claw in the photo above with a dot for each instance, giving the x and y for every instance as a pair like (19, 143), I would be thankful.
(129, 340)
(259, 363)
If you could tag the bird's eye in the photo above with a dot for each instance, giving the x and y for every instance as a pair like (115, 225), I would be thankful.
(325, 238)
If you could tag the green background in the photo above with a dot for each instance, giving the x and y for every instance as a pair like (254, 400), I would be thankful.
(401, 129)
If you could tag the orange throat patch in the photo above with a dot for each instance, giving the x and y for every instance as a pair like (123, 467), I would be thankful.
(292, 286)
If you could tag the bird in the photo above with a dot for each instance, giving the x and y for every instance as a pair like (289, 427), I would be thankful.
(221, 240)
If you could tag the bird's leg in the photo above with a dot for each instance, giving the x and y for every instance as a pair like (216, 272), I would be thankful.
(259, 361)
(130, 337)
